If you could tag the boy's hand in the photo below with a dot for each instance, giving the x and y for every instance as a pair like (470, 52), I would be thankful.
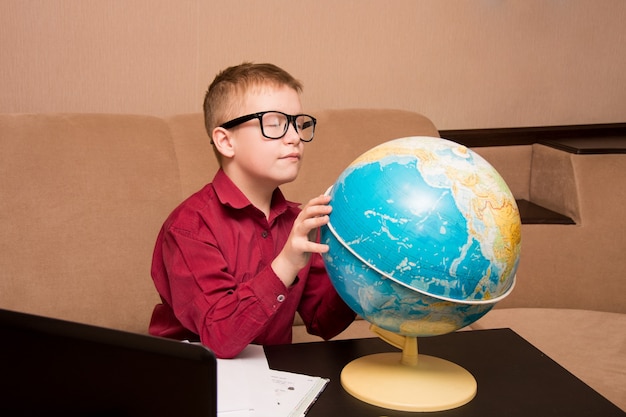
(301, 241)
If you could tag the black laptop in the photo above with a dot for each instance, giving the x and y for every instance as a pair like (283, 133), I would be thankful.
(52, 366)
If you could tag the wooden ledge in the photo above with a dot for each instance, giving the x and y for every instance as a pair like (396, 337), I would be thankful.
(532, 213)
(608, 137)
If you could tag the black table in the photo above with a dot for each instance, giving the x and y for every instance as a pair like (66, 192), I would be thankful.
(514, 378)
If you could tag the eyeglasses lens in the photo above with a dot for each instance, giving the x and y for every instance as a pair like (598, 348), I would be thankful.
(275, 125)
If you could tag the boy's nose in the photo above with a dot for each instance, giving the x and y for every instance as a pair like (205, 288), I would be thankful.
(292, 134)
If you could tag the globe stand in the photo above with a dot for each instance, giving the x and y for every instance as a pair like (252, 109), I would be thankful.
(406, 382)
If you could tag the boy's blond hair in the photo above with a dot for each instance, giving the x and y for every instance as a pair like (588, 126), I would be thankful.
(228, 90)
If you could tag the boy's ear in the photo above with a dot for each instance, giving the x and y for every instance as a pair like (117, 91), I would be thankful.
(222, 142)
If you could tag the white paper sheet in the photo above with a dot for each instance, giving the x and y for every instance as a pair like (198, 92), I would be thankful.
(243, 385)
(295, 393)
(247, 387)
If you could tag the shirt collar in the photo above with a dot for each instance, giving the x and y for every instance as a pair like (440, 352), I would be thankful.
(230, 195)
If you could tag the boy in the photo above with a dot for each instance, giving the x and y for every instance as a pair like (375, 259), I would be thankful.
(233, 263)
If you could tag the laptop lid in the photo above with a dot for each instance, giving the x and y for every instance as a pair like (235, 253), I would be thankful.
(49, 365)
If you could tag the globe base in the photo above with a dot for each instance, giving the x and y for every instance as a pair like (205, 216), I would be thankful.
(432, 384)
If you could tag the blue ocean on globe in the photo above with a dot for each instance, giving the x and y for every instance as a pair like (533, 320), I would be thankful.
(424, 236)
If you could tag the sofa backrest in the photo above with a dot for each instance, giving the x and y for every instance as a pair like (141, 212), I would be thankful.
(82, 198)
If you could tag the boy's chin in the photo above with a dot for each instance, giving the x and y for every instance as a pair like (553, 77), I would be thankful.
(288, 175)
(288, 179)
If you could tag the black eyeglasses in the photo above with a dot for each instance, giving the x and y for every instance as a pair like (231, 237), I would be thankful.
(274, 124)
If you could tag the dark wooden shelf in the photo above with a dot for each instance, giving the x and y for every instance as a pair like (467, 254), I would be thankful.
(590, 145)
(610, 136)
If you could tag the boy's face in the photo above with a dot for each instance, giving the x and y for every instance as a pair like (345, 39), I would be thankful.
(256, 160)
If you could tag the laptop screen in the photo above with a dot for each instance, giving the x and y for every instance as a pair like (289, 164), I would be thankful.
(50, 365)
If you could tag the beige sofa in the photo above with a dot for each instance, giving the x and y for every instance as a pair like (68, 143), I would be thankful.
(82, 197)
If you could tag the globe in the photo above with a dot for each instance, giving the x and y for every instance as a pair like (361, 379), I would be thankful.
(424, 238)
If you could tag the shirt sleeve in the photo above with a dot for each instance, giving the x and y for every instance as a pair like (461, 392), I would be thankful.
(323, 311)
(225, 312)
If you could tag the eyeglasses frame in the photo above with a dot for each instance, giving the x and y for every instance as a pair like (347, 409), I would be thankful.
(291, 120)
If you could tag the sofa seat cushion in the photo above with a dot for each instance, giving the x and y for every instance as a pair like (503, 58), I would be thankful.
(358, 329)
(589, 344)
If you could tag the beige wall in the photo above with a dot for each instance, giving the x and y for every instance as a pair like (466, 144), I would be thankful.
(465, 64)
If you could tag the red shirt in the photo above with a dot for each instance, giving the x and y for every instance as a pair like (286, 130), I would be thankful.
(211, 266)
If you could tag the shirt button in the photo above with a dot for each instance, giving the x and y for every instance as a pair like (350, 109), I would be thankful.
(264, 234)
(280, 298)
